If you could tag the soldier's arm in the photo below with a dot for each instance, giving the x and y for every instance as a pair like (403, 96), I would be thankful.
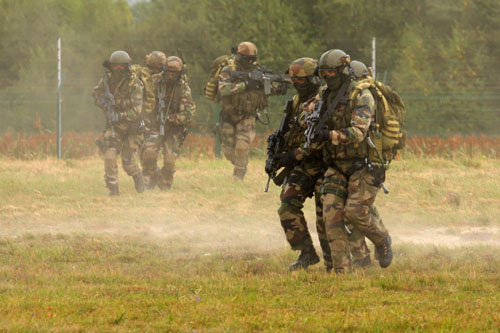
(362, 114)
(187, 106)
(98, 94)
(228, 88)
(136, 101)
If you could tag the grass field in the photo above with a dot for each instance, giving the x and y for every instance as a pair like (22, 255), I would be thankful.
(210, 255)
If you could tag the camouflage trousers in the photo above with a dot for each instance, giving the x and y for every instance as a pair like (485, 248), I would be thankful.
(121, 143)
(348, 201)
(304, 181)
(235, 140)
(169, 145)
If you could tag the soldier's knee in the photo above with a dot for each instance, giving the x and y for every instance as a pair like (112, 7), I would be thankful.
(169, 161)
(241, 147)
(149, 156)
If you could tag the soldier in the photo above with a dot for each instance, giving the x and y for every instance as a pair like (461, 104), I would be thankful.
(306, 177)
(351, 181)
(155, 62)
(120, 95)
(174, 111)
(241, 100)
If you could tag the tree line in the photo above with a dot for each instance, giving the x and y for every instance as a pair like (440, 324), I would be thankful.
(443, 57)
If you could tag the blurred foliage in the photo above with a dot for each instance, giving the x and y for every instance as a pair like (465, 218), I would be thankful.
(443, 57)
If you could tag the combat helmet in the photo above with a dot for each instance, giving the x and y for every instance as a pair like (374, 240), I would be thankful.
(333, 59)
(302, 67)
(173, 64)
(119, 57)
(156, 60)
(359, 69)
(247, 49)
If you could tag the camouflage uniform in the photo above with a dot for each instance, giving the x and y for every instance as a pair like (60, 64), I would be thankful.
(239, 107)
(125, 136)
(178, 112)
(349, 188)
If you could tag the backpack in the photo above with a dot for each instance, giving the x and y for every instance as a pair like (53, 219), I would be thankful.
(212, 85)
(387, 133)
(147, 80)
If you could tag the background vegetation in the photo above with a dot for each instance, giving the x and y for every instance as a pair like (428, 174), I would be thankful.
(443, 57)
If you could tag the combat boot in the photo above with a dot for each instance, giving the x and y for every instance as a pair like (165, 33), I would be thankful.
(139, 183)
(307, 257)
(365, 262)
(384, 253)
(113, 190)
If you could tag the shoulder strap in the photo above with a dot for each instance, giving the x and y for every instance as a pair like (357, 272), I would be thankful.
(334, 104)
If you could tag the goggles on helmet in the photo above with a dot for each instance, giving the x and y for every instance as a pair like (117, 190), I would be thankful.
(328, 72)
(248, 58)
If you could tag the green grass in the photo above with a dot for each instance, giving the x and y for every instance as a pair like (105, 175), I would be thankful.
(210, 255)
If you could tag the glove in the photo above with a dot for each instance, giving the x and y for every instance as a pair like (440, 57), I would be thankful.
(322, 135)
(286, 159)
(252, 85)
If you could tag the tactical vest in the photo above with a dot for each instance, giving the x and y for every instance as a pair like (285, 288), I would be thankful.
(244, 103)
(339, 119)
(124, 100)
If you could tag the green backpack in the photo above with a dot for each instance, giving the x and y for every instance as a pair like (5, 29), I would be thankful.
(388, 134)
(212, 85)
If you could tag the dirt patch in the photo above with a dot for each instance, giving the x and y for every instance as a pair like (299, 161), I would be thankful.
(450, 237)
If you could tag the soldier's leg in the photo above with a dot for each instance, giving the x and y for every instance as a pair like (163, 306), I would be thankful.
(112, 146)
(149, 160)
(359, 212)
(245, 134)
(227, 133)
(320, 227)
(169, 157)
(333, 196)
(293, 196)
(359, 249)
(130, 163)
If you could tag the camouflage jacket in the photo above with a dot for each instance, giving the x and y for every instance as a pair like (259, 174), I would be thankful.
(349, 124)
(297, 126)
(127, 93)
(236, 100)
(146, 77)
(179, 106)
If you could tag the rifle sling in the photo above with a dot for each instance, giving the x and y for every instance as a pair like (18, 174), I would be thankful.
(334, 104)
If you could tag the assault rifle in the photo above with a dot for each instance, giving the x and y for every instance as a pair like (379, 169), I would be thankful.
(112, 116)
(316, 120)
(276, 143)
(163, 110)
(264, 77)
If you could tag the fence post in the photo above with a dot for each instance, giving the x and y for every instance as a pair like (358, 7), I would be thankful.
(59, 100)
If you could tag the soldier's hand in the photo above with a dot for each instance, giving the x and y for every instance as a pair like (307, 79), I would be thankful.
(286, 159)
(172, 118)
(322, 135)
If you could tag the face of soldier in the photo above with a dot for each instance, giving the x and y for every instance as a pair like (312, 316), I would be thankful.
(171, 75)
(304, 85)
(119, 70)
(246, 61)
(332, 77)
(154, 69)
